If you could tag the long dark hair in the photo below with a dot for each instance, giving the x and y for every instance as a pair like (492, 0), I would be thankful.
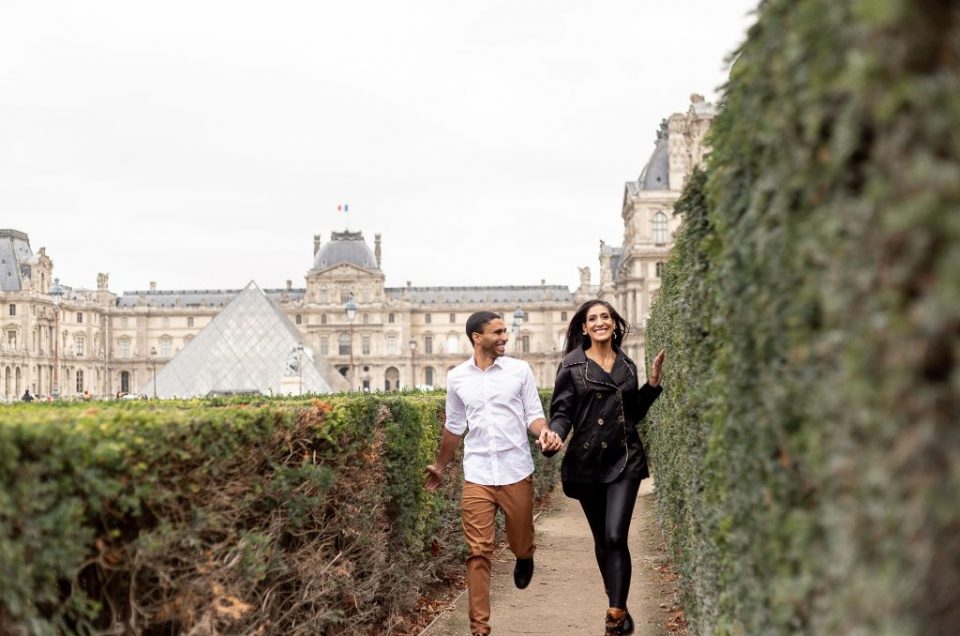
(575, 335)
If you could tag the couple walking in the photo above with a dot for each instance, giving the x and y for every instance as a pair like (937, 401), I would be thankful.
(597, 401)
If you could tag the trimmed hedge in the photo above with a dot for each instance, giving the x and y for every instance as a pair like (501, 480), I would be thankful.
(224, 516)
(808, 450)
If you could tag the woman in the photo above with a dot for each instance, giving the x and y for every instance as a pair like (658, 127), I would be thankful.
(598, 397)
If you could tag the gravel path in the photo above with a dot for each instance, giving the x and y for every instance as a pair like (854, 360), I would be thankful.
(566, 596)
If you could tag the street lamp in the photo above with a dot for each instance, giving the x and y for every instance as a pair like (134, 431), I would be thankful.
(413, 366)
(351, 309)
(517, 321)
(57, 293)
(153, 362)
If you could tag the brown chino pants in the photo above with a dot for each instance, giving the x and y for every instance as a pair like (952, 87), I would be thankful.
(479, 509)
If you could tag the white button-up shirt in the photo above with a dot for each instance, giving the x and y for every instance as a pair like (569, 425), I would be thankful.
(497, 405)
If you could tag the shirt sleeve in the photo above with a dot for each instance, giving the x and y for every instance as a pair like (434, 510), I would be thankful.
(532, 406)
(456, 413)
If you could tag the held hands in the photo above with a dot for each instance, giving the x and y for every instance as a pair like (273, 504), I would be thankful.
(434, 477)
(656, 369)
(548, 441)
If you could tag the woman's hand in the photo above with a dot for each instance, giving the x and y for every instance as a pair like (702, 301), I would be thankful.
(656, 369)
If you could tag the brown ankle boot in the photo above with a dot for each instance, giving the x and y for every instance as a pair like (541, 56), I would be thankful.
(615, 620)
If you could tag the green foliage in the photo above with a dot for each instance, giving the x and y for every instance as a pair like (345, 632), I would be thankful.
(807, 450)
(301, 516)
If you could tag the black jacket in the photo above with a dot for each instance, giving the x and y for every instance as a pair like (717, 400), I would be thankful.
(603, 411)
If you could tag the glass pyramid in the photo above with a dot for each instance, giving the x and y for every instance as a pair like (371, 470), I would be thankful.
(249, 347)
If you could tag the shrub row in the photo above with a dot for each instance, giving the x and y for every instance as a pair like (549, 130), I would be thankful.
(808, 448)
(224, 516)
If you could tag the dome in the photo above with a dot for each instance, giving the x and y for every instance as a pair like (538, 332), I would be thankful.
(656, 174)
(345, 247)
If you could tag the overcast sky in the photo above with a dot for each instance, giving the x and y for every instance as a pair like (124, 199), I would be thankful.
(203, 144)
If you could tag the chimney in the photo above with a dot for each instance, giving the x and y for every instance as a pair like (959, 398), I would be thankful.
(376, 248)
(153, 286)
(316, 243)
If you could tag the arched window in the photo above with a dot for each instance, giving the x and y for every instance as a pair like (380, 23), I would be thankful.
(344, 341)
(428, 376)
(659, 228)
(391, 379)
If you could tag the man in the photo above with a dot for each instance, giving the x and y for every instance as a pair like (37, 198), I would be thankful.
(496, 398)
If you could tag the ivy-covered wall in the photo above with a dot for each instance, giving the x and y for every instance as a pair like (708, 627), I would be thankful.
(807, 448)
(224, 516)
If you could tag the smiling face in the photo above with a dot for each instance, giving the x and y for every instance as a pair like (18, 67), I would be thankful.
(493, 340)
(599, 324)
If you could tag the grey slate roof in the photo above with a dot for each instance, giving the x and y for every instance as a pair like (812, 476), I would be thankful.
(656, 174)
(15, 256)
(249, 346)
(510, 295)
(196, 297)
(345, 247)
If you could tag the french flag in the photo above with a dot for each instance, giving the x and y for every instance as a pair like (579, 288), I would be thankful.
(343, 207)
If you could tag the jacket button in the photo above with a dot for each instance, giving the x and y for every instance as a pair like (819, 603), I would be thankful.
(600, 421)
(603, 444)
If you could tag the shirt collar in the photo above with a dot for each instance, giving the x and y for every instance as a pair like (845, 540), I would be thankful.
(496, 363)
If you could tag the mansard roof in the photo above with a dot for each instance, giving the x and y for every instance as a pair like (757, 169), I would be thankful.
(656, 174)
(510, 294)
(197, 297)
(15, 255)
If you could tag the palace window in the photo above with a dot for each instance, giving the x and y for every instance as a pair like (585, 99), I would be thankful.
(78, 344)
(428, 376)
(165, 322)
(453, 343)
(166, 344)
(659, 228)
(453, 318)
(323, 319)
(344, 344)
(79, 317)
(124, 348)
(392, 344)
(12, 340)
(525, 344)
(428, 344)
(366, 319)
(324, 346)
(563, 316)
(391, 318)
(189, 321)
(13, 310)
(365, 345)
(427, 319)
(659, 270)
(79, 381)
(299, 319)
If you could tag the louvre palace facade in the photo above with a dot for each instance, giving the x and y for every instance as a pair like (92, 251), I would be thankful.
(79, 340)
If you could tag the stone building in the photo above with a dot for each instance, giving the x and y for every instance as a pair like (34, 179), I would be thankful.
(398, 336)
(630, 274)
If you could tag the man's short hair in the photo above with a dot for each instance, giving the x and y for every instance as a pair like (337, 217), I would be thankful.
(477, 321)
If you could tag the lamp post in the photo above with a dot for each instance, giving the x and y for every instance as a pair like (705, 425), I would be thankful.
(57, 293)
(153, 363)
(351, 309)
(413, 366)
(517, 321)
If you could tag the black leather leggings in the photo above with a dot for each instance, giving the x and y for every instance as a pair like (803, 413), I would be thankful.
(608, 508)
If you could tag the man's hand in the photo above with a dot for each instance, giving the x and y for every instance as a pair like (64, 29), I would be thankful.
(656, 369)
(434, 477)
(549, 441)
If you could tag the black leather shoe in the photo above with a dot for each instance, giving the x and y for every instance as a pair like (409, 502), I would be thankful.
(523, 572)
(628, 623)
